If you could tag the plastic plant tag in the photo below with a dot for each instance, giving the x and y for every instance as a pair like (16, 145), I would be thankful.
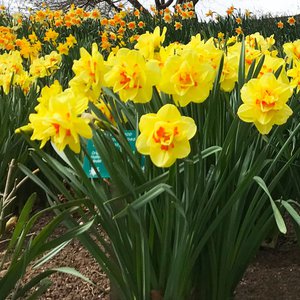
(88, 168)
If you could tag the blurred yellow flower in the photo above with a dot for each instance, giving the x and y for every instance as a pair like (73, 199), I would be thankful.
(209, 13)
(271, 65)
(292, 50)
(207, 50)
(178, 26)
(264, 102)
(131, 25)
(239, 30)
(248, 13)
(149, 44)
(51, 35)
(291, 21)
(221, 35)
(280, 25)
(63, 48)
(136, 13)
(165, 136)
(230, 10)
(105, 109)
(95, 13)
(229, 75)
(238, 20)
(132, 76)
(71, 40)
(141, 24)
(167, 17)
(11, 70)
(294, 73)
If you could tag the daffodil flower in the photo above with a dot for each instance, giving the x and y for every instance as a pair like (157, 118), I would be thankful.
(132, 76)
(265, 102)
(58, 119)
(165, 136)
(89, 72)
(187, 78)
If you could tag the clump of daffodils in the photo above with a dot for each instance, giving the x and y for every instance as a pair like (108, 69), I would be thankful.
(186, 73)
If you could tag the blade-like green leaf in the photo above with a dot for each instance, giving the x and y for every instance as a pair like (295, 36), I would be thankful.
(277, 215)
(290, 209)
(23, 218)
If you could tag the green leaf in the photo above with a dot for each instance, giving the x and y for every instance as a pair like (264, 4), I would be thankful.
(73, 272)
(259, 66)
(44, 285)
(278, 217)
(147, 197)
(33, 282)
(290, 209)
(241, 73)
(68, 236)
(209, 151)
(51, 254)
(23, 218)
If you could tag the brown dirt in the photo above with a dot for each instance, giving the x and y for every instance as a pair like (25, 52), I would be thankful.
(274, 274)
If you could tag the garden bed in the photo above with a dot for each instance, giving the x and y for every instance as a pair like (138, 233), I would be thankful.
(274, 273)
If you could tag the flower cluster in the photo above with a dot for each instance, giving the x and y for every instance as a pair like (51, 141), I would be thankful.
(185, 72)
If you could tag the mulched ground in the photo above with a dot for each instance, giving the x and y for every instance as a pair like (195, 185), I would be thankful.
(274, 274)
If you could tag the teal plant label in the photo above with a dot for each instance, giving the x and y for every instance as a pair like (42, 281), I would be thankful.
(95, 157)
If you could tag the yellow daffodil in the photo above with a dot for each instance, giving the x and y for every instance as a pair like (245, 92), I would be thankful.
(89, 73)
(52, 61)
(229, 75)
(294, 73)
(71, 40)
(45, 66)
(251, 54)
(292, 50)
(63, 48)
(51, 35)
(264, 102)
(210, 13)
(187, 78)
(11, 71)
(58, 119)
(207, 51)
(165, 136)
(272, 64)
(291, 21)
(149, 44)
(132, 76)
(257, 41)
(178, 25)
(280, 24)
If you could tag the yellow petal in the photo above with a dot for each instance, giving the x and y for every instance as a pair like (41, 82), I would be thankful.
(162, 159)
(169, 113)
(246, 113)
(142, 144)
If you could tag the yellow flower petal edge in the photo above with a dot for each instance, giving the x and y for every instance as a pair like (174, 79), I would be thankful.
(165, 135)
